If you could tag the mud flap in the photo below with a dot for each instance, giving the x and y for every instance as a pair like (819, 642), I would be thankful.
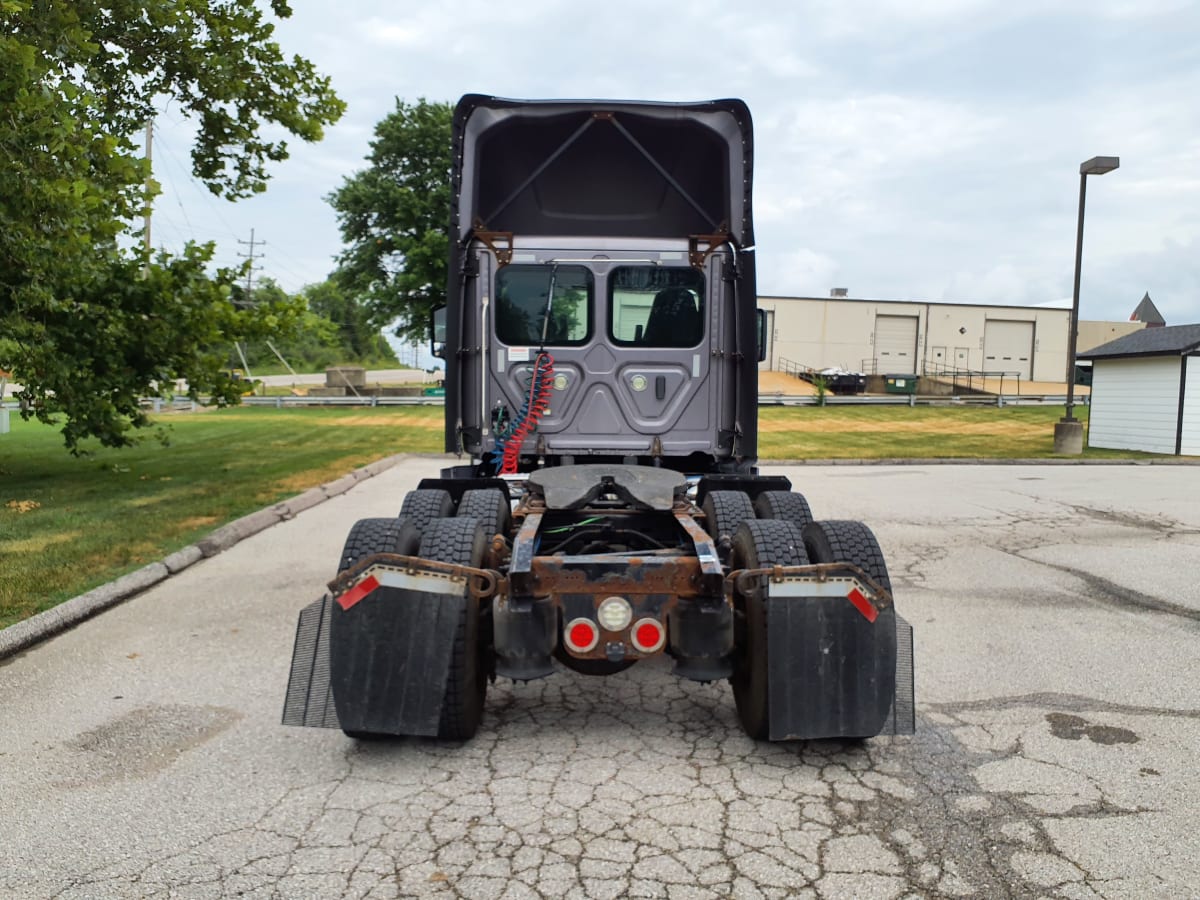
(378, 668)
(309, 698)
(833, 674)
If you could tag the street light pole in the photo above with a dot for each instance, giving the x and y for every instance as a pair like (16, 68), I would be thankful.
(1068, 432)
(1073, 334)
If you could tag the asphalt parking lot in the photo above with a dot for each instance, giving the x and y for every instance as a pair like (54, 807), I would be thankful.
(1057, 624)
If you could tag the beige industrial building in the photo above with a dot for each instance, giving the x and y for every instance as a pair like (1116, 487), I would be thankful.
(924, 338)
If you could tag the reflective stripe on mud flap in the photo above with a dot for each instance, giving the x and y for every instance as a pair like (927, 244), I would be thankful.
(862, 597)
(390, 577)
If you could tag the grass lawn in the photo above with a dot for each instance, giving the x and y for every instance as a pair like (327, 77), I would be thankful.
(69, 524)
(918, 432)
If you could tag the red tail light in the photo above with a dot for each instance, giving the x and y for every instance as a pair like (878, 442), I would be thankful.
(581, 635)
(648, 635)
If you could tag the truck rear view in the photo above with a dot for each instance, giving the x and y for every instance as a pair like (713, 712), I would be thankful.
(601, 344)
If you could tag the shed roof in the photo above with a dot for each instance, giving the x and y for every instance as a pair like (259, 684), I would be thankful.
(1171, 340)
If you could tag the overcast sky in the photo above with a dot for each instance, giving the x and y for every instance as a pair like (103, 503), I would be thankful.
(905, 149)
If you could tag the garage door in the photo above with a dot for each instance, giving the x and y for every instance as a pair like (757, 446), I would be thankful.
(1008, 347)
(896, 344)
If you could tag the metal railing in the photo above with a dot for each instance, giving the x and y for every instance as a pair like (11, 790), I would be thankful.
(973, 379)
(798, 370)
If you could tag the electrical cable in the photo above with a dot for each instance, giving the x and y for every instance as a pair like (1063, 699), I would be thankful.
(507, 452)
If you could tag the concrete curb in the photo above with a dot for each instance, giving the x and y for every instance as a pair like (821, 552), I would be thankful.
(70, 613)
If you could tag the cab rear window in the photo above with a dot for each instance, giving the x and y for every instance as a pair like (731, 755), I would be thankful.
(653, 306)
(527, 315)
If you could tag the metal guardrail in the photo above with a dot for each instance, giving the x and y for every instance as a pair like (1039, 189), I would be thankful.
(281, 401)
(773, 399)
(914, 400)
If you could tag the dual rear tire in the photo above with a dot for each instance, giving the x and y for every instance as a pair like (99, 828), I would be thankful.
(429, 530)
(761, 543)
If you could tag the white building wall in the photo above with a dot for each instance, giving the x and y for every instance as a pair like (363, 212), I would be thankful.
(1094, 333)
(1190, 445)
(822, 332)
(1135, 404)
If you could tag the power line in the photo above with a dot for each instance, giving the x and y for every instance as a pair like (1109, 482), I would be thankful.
(196, 183)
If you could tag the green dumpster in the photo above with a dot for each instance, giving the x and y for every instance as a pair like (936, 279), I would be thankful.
(900, 384)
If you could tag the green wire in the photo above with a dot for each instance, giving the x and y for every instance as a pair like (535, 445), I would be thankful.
(563, 528)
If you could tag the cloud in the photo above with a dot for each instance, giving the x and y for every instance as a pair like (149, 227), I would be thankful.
(797, 273)
(918, 149)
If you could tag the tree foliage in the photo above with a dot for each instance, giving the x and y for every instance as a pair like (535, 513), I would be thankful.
(87, 324)
(395, 218)
(359, 338)
(332, 330)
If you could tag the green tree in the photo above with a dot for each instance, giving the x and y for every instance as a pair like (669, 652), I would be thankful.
(89, 325)
(358, 335)
(395, 217)
(331, 330)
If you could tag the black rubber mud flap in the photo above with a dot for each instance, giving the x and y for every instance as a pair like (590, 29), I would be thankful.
(390, 659)
(833, 674)
(309, 698)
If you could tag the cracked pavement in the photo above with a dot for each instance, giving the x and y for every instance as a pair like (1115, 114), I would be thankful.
(1057, 625)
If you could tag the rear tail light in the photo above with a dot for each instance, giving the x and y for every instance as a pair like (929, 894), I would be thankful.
(581, 635)
(648, 635)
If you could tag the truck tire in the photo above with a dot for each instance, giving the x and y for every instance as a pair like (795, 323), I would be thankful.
(490, 507)
(724, 511)
(426, 504)
(371, 536)
(462, 541)
(756, 544)
(366, 538)
(848, 542)
(783, 505)
(845, 541)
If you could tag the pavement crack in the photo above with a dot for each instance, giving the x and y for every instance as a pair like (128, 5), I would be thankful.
(1112, 594)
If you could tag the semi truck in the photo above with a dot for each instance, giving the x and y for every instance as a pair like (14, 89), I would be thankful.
(602, 343)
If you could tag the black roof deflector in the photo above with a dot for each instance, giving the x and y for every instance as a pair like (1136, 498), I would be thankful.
(602, 168)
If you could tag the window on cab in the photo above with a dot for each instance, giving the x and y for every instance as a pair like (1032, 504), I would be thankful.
(656, 306)
(523, 314)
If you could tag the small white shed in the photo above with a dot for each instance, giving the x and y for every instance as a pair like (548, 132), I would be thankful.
(1146, 391)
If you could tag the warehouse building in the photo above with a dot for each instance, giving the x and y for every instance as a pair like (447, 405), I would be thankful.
(924, 338)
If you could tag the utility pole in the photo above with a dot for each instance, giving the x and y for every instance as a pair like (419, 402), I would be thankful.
(149, 210)
(250, 256)
(149, 176)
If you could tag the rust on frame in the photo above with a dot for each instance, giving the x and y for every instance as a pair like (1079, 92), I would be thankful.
(602, 576)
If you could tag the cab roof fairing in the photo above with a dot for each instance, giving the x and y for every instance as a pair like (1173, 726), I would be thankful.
(602, 168)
